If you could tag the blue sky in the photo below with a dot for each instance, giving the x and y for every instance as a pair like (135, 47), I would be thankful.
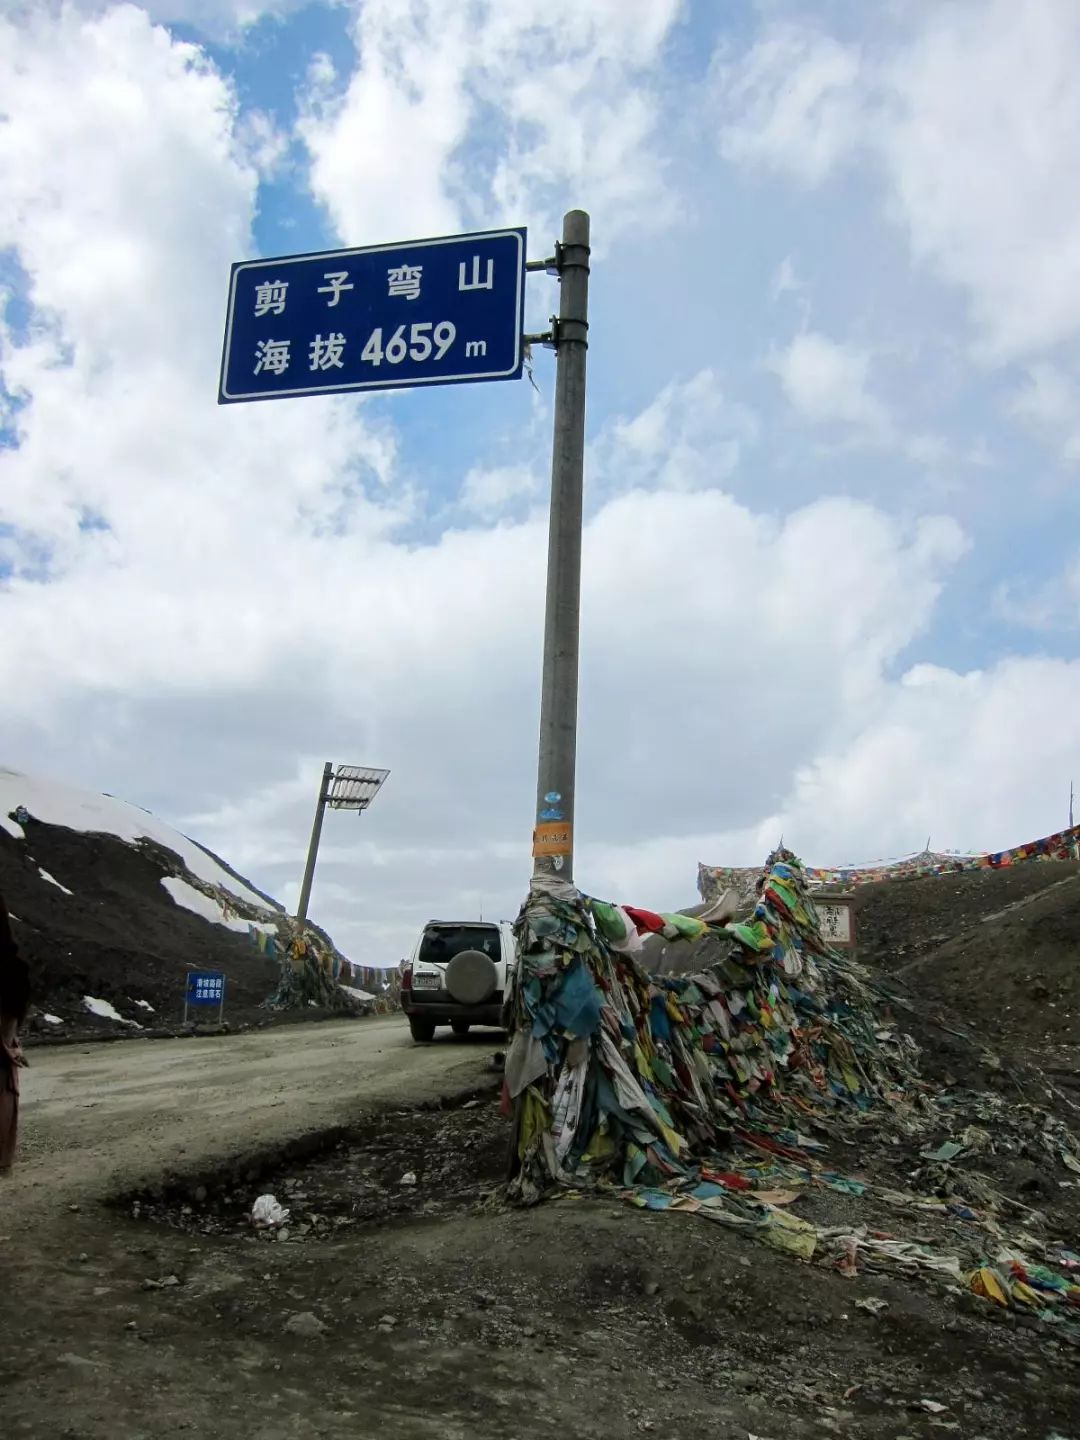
(832, 580)
(723, 247)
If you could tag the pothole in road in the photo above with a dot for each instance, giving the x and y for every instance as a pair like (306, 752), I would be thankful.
(400, 1166)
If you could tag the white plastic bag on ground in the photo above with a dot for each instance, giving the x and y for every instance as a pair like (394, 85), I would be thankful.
(267, 1214)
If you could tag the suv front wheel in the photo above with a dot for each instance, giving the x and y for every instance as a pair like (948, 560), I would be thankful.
(421, 1028)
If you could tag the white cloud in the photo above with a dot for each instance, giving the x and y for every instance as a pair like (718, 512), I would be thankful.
(208, 602)
(691, 436)
(949, 755)
(381, 151)
(1051, 603)
(127, 195)
(264, 142)
(793, 102)
(1048, 397)
(556, 96)
(940, 754)
(786, 280)
(826, 382)
(224, 20)
(701, 621)
(247, 611)
(91, 108)
(973, 126)
(488, 492)
(985, 138)
(1049, 401)
(933, 451)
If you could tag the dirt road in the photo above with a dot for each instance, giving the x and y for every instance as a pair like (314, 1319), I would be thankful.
(402, 1302)
(100, 1118)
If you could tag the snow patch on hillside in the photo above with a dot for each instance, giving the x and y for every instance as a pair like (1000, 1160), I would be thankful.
(53, 881)
(356, 994)
(207, 907)
(56, 804)
(105, 1011)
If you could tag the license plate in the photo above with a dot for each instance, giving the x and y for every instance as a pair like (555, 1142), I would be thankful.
(427, 982)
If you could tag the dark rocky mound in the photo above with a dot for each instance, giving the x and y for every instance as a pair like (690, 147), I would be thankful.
(999, 949)
(120, 937)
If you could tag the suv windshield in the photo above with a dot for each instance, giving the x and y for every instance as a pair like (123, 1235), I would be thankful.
(442, 942)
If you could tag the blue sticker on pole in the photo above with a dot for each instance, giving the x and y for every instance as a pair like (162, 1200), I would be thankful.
(205, 987)
(424, 312)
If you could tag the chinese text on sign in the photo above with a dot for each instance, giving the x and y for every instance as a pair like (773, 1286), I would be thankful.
(205, 987)
(428, 312)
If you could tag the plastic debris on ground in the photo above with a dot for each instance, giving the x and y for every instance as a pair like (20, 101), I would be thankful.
(268, 1214)
(720, 1094)
(872, 1304)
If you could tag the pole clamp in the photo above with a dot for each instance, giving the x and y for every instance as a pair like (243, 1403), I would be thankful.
(571, 257)
(569, 332)
(566, 257)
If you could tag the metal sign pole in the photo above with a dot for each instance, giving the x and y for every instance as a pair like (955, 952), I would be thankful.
(553, 839)
(313, 847)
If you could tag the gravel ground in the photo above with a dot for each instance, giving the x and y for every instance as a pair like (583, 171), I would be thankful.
(139, 1302)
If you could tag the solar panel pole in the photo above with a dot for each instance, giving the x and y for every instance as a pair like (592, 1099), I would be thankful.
(313, 847)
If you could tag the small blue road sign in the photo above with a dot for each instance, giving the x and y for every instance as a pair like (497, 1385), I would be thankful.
(205, 987)
(426, 312)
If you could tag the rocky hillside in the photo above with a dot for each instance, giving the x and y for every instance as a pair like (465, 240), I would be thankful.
(112, 907)
(1000, 949)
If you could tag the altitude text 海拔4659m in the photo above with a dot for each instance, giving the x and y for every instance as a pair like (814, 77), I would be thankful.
(427, 312)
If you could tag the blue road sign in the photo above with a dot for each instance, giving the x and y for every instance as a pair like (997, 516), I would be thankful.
(427, 312)
(205, 987)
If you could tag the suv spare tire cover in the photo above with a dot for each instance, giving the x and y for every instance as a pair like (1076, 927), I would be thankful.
(471, 977)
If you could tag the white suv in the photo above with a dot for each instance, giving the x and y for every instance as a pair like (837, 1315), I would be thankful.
(457, 976)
